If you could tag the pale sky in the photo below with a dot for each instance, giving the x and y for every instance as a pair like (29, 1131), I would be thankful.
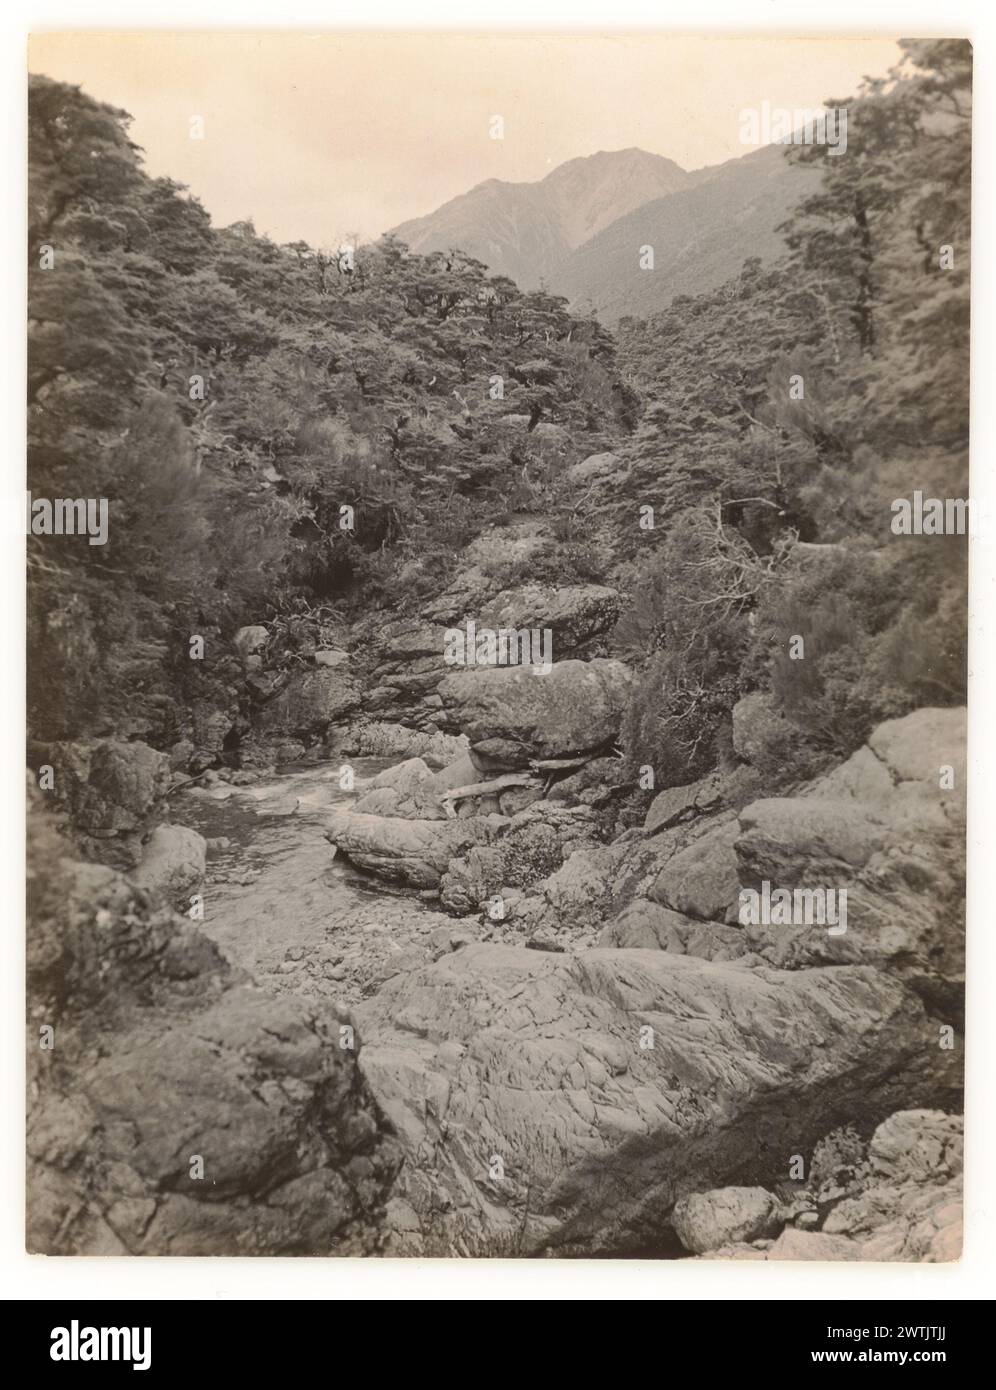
(328, 135)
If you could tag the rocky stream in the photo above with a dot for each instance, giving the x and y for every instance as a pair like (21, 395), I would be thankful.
(394, 961)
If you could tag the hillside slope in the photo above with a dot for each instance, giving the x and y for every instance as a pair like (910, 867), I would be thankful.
(701, 235)
(525, 230)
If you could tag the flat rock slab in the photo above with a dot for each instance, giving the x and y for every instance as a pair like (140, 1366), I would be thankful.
(537, 1112)
(415, 852)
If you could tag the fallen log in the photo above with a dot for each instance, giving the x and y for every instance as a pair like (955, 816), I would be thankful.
(475, 789)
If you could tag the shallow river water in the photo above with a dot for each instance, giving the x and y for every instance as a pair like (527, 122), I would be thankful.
(281, 904)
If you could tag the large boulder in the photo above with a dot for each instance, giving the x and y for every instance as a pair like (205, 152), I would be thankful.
(676, 804)
(246, 1131)
(702, 880)
(833, 838)
(915, 748)
(705, 1220)
(173, 863)
(310, 702)
(113, 792)
(408, 789)
(563, 1103)
(412, 790)
(512, 714)
(111, 786)
(413, 852)
(574, 614)
(677, 808)
(401, 640)
(580, 891)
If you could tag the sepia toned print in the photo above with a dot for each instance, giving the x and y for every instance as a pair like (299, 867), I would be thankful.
(498, 516)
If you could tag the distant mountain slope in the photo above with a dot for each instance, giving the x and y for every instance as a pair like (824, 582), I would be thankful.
(701, 235)
(526, 230)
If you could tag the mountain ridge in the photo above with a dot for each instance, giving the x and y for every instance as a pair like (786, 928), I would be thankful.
(701, 235)
(526, 229)
(578, 231)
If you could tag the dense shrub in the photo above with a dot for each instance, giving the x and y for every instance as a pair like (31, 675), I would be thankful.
(879, 639)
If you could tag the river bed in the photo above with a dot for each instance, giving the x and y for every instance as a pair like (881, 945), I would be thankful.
(283, 906)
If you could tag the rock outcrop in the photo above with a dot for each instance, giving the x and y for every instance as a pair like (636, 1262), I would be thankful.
(409, 789)
(173, 863)
(412, 852)
(901, 1201)
(565, 1103)
(646, 925)
(888, 827)
(911, 1205)
(113, 793)
(574, 1098)
(676, 804)
(574, 614)
(383, 739)
(407, 661)
(702, 881)
(309, 702)
(512, 714)
(173, 1107)
(520, 852)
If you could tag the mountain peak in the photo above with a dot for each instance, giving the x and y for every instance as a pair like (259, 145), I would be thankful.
(524, 230)
(629, 158)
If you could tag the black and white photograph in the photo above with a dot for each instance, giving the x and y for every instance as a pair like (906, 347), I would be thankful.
(497, 522)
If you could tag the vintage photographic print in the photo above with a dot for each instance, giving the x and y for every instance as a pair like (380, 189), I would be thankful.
(497, 529)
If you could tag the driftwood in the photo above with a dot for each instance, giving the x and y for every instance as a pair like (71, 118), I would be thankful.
(551, 766)
(475, 789)
(185, 783)
(559, 764)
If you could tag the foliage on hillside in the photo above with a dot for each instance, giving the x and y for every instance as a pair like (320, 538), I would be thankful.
(738, 470)
(368, 379)
(331, 380)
